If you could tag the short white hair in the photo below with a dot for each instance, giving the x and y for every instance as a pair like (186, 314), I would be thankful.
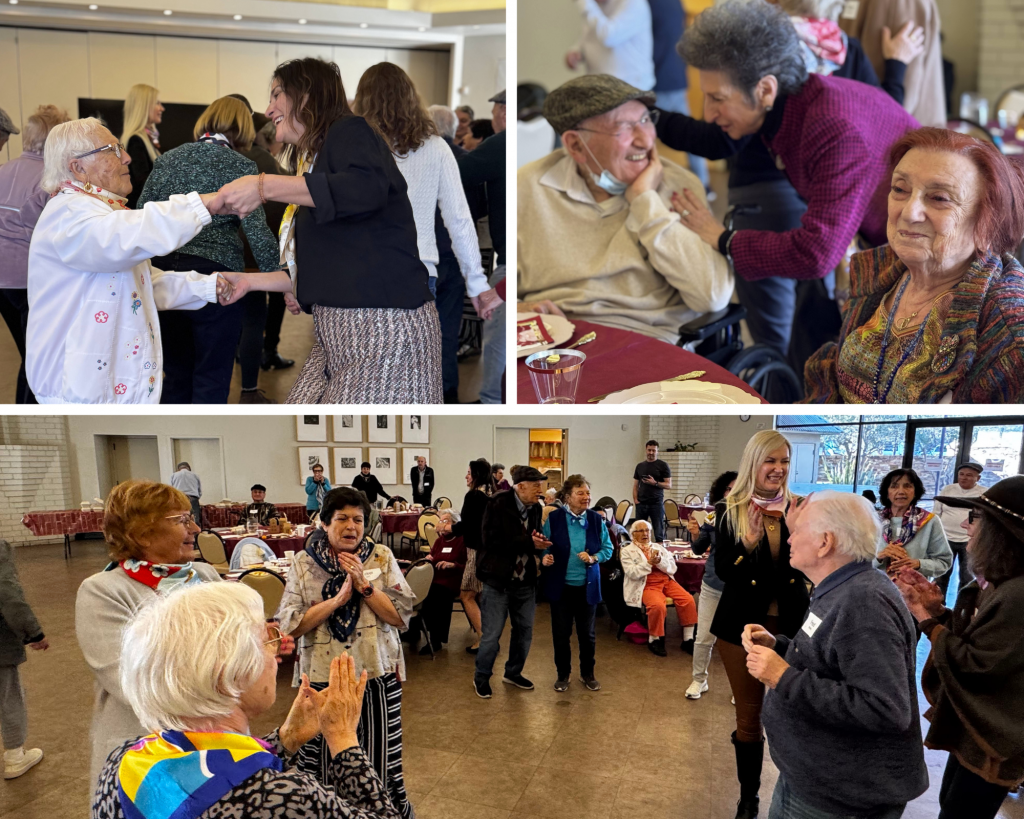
(65, 142)
(850, 518)
(445, 120)
(192, 654)
(552, 492)
(645, 523)
(451, 513)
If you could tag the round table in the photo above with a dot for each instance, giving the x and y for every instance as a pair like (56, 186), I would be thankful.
(689, 571)
(215, 517)
(280, 544)
(392, 522)
(621, 359)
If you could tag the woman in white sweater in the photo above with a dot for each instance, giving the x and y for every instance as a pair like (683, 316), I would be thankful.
(387, 99)
(93, 336)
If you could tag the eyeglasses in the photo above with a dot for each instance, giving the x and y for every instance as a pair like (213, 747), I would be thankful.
(275, 637)
(971, 515)
(625, 128)
(116, 147)
(185, 519)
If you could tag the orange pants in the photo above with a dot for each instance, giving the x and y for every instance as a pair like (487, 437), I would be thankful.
(660, 587)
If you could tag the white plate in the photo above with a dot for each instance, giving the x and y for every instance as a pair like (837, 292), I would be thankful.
(558, 328)
(681, 392)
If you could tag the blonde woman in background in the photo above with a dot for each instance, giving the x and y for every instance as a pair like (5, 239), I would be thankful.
(142, 114)
(752, 560)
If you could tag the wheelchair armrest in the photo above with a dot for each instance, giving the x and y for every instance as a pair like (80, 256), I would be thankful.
(708, 324)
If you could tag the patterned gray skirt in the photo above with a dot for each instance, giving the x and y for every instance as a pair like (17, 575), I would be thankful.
(470, 582)
(372, 355)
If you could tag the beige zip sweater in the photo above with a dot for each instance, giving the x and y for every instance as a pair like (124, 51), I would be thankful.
(633, 266)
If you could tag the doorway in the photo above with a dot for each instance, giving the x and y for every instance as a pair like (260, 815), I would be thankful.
(206, 460)
(121, 457)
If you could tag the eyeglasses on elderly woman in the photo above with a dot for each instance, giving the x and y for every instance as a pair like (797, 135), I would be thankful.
(184, 518)
(116, 147)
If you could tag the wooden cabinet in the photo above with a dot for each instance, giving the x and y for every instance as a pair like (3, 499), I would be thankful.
(548, 454)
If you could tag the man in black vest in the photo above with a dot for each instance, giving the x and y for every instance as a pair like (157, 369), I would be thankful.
(507, 567)
(259, 507)
(572, 580)
(421, 477)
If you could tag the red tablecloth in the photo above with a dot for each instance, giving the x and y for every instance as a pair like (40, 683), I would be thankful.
(216, 517)
(399, 521)
(689, 572)
(280, 545)
(620, 359)
(63, 522)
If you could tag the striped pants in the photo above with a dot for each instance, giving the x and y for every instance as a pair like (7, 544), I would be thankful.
(380, 736)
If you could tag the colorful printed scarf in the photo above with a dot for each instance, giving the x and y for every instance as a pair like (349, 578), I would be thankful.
(215, 139)
(95, 191)
(286, 233)
(913, 519)
(161, 577)
(180, 775)
(824, 44)
(154, 137)
(342, 621)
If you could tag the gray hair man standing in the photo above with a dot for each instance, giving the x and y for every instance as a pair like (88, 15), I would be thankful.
(841, 710)
(187, 482)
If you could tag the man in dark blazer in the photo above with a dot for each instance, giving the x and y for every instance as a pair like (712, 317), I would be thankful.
(507, 567)
(421, 477)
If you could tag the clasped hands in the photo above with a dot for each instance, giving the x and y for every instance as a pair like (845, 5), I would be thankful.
(898, 559)
(333, 712)
(586, 557)
(924, 599)
(763, 664)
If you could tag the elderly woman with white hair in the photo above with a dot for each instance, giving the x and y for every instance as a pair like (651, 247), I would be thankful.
(199, 666)
(93, 335)
(448, 557)
(841, 709)
(649, 571)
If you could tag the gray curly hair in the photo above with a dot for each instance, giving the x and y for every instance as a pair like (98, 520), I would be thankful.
(746, 40)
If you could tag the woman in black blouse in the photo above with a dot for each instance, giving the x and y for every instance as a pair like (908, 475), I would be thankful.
(480, 481)
(351, 249)
(752, 560)
(142, 114)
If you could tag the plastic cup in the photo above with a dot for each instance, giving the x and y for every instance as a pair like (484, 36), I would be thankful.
(288, 554)
(555, 375)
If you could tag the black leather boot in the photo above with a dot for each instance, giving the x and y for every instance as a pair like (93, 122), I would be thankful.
(749, 758)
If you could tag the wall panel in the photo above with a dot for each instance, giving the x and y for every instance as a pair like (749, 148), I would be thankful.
(354, 61)
(54, 68)
(119, 61)
(10, 90)
(246, 68)
(186, 69)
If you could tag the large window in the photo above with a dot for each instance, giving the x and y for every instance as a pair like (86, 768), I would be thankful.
(853, 453)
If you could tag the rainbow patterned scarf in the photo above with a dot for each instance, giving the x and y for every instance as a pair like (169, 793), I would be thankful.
(179, 775)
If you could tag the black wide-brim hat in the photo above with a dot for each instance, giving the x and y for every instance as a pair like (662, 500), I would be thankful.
(1004, 500)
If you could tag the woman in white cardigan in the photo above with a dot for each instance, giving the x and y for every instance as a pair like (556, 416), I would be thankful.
(387, 99)
(93, 336)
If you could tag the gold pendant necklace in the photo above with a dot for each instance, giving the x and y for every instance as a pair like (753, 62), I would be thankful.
(903, 323)
(770, 525)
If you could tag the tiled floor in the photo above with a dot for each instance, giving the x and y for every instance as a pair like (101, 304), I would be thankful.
(637, 748)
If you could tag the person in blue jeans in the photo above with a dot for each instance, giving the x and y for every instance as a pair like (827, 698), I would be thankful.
(507, 567)
(572, 580)
(650, 480)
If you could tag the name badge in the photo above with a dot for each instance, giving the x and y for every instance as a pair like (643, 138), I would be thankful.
(811, 624)
(850, 9)
(371, 574)
(445, 551)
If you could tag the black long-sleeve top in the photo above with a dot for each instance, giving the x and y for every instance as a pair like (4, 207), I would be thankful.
(357, 246)
(369, 486)
(486, 165)
(472, 523)
(139, 170)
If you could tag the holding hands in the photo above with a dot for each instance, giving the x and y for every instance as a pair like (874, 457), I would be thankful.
(238, 198)
(486, 303)
(925, 600)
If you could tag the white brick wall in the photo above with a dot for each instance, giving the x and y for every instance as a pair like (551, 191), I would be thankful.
(35, 472)
(1001, 61)
(691, 471)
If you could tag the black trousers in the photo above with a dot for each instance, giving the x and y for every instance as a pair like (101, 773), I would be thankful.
(451, 292)
(572, 607)
(275, 315)
(250, 348)
(424, 498)
(437, 613)
(965, 795)
(199, 345)
(14, 309)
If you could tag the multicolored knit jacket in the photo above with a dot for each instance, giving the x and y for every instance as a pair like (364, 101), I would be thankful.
(983, 334)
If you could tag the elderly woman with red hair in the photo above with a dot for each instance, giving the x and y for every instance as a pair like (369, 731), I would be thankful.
(937, 315)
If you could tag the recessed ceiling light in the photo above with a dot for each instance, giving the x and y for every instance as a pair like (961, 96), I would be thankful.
(364, 25)
(168, 12)
(93, 7)
(423, 28)
(13, 2)
(302, 22)
(238, 16)
(476, 27)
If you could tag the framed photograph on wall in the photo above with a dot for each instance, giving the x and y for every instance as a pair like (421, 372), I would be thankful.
(347, 461)
(381, 429)
(416, 429)
(409, 456)
(348, 428)
(311, 428)
(384, 464)
(309, 455)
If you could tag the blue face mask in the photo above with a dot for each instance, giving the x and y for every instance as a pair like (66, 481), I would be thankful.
(606, 181)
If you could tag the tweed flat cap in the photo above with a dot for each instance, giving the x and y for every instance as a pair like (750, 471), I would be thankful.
(584, 97)
(6, 125)
(524, 474)
(499, 97)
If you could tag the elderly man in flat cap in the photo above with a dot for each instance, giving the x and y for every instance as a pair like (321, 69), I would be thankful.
(597, 236)
(259, 507)
(7, 127)
(952, 519)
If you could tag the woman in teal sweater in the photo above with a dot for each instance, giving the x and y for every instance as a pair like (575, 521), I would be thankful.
(199, 345)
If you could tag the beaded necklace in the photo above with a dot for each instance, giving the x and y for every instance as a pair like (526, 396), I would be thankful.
(881, 399)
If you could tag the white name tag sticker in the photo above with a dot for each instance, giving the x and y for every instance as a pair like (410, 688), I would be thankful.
(445, 551)
(850, 9)
(811, 624)
(371, 574)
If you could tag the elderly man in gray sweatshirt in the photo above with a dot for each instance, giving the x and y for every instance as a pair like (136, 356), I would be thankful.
(841, 710)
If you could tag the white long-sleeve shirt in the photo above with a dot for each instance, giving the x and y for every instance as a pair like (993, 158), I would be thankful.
(952, 516)
(636, 569)
(618, 39)
(432, 175)
(93, 334)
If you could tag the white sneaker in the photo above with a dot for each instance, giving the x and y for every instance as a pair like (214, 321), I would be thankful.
(695, 690)
(19, 760)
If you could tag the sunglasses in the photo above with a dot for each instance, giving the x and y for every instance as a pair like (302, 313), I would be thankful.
(971, 516)
(116, 147)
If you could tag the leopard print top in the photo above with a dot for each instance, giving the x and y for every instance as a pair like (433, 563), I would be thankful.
(352, 791)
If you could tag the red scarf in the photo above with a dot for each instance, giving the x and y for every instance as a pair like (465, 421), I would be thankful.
(823, 37)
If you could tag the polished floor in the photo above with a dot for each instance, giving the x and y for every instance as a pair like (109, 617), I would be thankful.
(637, 748)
